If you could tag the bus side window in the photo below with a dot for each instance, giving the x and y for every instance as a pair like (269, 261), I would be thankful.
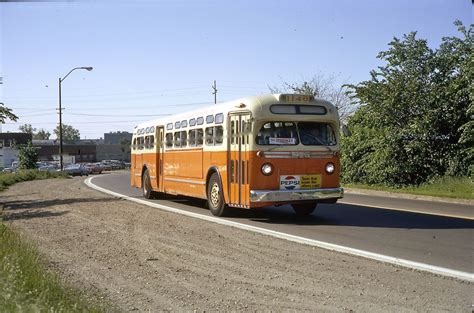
(147, 142)
(192, 138)
(169, 140)
(199, 137)
(134, 144)
(210, 136)
(183, 139)
(219, 135)
(151, 142)
(177, 140)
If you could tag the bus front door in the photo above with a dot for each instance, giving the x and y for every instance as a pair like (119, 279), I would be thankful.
(238, 159)
(159, 167)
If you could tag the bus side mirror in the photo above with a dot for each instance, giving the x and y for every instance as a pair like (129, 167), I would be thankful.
(345, 130)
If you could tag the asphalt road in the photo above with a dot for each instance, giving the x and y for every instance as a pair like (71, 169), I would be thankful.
(366, 224)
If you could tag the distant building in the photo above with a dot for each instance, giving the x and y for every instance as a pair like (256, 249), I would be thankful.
(113, 152)
(116, 138)
(8, 149)
(114, 146)
(8, 139)
(89, 142)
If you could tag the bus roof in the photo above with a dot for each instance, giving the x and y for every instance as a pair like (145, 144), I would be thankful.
(254, 104)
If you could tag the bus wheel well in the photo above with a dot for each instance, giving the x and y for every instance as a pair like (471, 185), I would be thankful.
(144, 168)
(211, 171)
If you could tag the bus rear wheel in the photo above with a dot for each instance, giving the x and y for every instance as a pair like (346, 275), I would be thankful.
(304, 209)
(215, 197)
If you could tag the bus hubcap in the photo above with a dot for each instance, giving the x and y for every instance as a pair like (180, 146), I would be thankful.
(215, 195)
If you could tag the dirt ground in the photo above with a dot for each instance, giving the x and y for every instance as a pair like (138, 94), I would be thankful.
(144, 259)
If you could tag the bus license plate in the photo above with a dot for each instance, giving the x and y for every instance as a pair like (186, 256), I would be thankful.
(296, 182)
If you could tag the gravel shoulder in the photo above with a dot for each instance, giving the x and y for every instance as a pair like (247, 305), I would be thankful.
(145, 259)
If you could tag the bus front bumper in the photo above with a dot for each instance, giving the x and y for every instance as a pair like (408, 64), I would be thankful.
(296, 195)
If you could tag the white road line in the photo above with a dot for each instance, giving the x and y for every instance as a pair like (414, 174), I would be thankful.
(465, 217)
(321, 244)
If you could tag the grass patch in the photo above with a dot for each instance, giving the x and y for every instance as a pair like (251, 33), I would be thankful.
(25, 285)
(448, 187)
(8, 179)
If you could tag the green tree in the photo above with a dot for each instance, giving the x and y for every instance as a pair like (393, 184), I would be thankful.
(413, 113)
(42, 134)
(70, 134)
(27, 156)
(27, 128)
(6, 113)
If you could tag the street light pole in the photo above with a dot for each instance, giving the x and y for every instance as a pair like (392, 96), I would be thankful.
(87, 68)
(60, 129)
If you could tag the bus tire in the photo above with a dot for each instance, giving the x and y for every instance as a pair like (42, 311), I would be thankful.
(304, 209)
(146, 185)
(215, 196)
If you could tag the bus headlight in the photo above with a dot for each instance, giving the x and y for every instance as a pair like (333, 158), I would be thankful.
(330, 168)
(267, 169)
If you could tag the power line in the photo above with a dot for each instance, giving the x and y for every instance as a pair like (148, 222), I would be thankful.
(90, 122)
(150, 106)
(117, 115)
(151, 93)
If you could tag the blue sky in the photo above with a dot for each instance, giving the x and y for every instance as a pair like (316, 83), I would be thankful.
(161, 57)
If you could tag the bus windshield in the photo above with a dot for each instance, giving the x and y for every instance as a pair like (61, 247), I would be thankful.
(291, 133)
(316, 134)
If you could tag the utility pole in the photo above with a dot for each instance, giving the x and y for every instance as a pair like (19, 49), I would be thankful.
(214, 87)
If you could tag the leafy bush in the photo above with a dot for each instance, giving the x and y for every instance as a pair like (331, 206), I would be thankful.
(413, 124)
(28, 156)
(8, 179)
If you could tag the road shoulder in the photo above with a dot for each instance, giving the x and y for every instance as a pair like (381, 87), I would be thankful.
(148, 259)
(387, 194)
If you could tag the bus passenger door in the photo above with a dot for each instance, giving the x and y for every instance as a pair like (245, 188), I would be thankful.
(160, 158)
(238, 159)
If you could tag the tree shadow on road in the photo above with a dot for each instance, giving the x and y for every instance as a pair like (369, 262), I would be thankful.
(38, 204)
(28, 209)
(29, 214)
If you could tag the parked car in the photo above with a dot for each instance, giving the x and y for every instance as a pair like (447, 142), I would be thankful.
(76, 170)
(94, 168)
(8, 170)
(106, 166)
(47, 168)
(116, 164)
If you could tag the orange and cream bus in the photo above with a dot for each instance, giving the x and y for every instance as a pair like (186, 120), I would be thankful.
(248, 153)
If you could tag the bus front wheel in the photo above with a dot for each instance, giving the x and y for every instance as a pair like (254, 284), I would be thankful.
(146, 185)
(215, 197)
(304, 209)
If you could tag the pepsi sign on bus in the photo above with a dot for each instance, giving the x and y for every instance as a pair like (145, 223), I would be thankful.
(290, 182)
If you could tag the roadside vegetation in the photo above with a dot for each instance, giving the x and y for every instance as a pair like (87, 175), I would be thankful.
(409, 128)
(25, 284)
(448, 187)
(8, 179)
